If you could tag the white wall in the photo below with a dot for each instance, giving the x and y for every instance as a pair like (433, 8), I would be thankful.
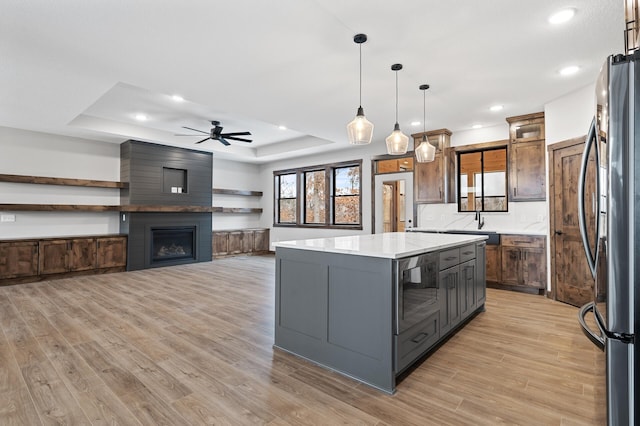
(39, 154)
(235, 175)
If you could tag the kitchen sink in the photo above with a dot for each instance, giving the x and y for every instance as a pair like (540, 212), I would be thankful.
(493, 240)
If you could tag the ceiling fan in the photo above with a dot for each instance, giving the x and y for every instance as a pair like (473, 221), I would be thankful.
(217, 135)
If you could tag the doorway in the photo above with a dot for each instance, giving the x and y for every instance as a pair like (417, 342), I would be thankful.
(571, 279)
(393, 202)
(393, 206)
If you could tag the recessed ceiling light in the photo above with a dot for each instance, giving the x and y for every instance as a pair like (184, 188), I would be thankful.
(415, 123)
(495, 108)
(282, 127)
(562, 16)
(141, 117)
(477, 126)
(177, 98)
(569, 70)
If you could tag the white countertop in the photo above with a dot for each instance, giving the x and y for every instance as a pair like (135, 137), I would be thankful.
(391, 245)
(498, 231)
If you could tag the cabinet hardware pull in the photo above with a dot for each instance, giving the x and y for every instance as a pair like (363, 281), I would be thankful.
(449, 258)
(521, 242)
(467, 252)
(515, 191)
(420, 337)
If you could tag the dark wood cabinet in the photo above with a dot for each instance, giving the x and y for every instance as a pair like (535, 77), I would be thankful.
(18, 259)
(67, 255)
(524, 261)
(527, 175)
(111, 252)
(240, 241)
(494, 263)
(433, 181)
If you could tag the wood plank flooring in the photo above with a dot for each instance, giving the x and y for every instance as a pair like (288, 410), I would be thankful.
(193, 345)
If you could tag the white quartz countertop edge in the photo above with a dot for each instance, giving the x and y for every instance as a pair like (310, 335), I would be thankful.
(501, 231)
(389, 245)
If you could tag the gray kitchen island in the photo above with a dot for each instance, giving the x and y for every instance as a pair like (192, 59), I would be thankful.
(370, 306)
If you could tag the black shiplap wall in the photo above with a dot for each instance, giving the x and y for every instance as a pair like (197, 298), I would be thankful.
(142, 163)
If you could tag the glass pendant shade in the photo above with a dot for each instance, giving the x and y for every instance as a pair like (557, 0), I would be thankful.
(360, 130)
(397, 142)
(425, 152)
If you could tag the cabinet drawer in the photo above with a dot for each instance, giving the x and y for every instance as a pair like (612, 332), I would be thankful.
(449, 258)
(415, 341)
(532, 241)
(467, 253)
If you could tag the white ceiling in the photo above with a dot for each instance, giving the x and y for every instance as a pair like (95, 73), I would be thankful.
(85, 68)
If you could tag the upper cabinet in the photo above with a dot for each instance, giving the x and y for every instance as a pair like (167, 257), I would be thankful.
(526, 157)
(432, 181)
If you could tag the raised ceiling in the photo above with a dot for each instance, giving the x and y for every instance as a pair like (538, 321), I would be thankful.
(86, 68)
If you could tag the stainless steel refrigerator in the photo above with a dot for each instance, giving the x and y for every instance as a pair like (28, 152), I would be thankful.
(609, 209)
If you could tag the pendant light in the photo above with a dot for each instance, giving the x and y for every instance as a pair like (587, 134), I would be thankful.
(360, 130)
(425, 152)
(397, 142)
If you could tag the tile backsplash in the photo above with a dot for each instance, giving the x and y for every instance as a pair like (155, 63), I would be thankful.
(522, 217)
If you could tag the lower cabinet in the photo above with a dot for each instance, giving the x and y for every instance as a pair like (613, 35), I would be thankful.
(33, 260)
(494, 263)
(524, 262)
(18, 259)
(240, 241)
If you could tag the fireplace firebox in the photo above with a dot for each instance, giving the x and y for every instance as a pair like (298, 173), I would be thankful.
(175, 243)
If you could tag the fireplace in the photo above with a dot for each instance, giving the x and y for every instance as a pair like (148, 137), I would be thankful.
(175, 243)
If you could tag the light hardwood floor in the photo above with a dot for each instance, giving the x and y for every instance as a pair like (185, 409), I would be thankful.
(193, 345)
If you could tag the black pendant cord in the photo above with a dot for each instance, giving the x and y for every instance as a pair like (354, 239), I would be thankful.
(360, 96)
(424, 111)
(396, 97)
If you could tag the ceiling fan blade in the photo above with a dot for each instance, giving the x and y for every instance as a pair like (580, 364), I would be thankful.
(239, 139)
(195, 130)
(236, 134)
(224, 142)
(205, 139)
(180, 134)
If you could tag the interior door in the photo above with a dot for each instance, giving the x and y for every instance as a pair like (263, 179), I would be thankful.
(573, 279)
(405, 211)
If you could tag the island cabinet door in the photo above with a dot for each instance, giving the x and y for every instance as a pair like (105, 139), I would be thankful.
(481, 274)
(450, 300)
(467, 287)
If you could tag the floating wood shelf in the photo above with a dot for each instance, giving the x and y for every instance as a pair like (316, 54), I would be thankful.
(99, 208)
(62, 181)
(236, 192)
(236, 210)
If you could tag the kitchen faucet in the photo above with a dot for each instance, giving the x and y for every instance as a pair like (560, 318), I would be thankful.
(479, 219)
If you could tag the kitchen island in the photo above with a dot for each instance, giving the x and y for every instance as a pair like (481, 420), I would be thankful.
(369, 306)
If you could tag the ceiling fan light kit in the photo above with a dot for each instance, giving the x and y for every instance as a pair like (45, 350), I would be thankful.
(425, 152)
(397, 142)
(360, 130)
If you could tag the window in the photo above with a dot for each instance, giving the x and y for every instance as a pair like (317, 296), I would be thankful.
(286, 190)
(326, 196)
(482, 179)
(346, 181)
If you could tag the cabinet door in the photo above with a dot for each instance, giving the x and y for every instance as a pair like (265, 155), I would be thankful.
(220, 243)
(527, 172)
(493, 263)
(481, 277)
(82, 254)
(511, 268)
(247, 241)
(18, 259)
(534, 267)
(54, 256)
(261, 240)
(527, 130)
(429, 181)
(450, 299)
(467, 287)
(111, 252)
(235, 242)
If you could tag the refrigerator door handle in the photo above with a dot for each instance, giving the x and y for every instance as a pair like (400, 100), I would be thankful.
(598, 340)
(592, 137)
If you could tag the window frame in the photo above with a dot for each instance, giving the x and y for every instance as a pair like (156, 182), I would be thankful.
(278, 197)
(482, 148)
(329, 197)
